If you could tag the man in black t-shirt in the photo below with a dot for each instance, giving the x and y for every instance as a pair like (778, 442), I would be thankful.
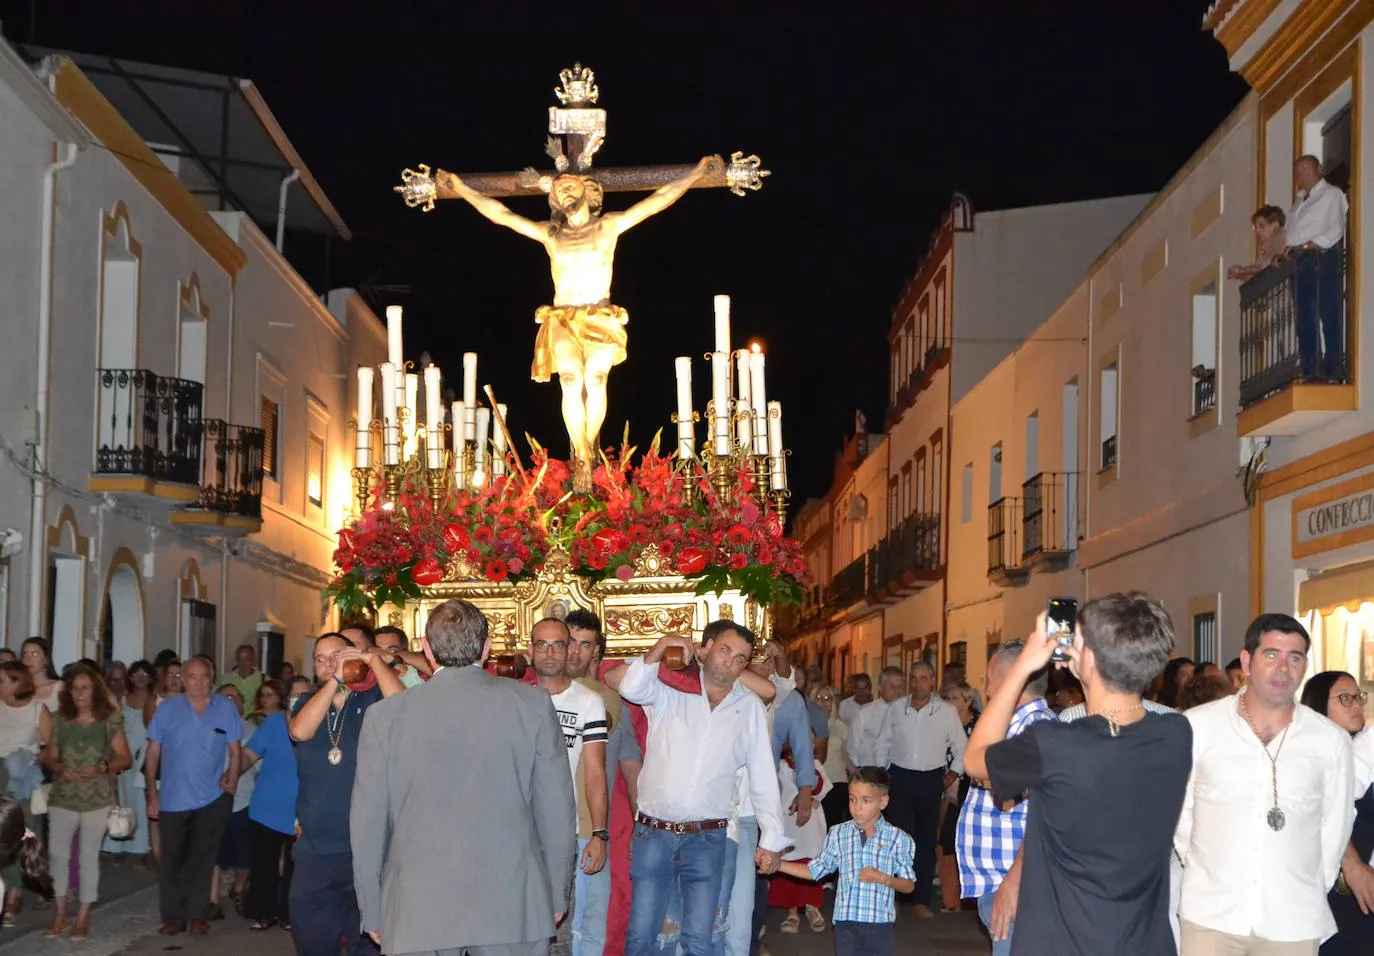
(1108, 788)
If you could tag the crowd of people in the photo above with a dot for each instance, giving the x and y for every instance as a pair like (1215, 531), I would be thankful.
(439, 801)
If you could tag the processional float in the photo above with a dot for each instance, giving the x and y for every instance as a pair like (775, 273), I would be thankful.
(664, 544)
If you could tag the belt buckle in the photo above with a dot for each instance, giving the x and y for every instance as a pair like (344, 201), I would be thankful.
(681, 828)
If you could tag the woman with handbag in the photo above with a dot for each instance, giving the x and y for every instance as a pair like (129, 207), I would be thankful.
(88, 749)
(25, 728)
(131, 782)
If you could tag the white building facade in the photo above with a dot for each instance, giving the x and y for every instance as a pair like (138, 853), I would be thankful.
(143, 333)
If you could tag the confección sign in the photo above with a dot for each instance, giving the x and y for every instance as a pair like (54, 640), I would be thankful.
(1334, 517)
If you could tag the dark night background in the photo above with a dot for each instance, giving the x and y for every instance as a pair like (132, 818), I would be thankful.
(868, 121)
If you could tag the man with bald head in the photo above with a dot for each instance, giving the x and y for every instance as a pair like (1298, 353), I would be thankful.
(1316, 230)
(921, 743)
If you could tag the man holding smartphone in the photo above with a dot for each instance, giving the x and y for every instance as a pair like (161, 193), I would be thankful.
(1107, 790)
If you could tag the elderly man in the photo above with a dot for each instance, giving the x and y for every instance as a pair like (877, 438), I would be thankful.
(1316, 227)
(326, 727)
(245, 677)
(863, 731)
(193, 740)
(464, 826)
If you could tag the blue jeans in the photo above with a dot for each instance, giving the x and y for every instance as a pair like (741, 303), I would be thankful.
(739, 920)
(1000, 947)
(670, 944)
(591, 900)
(692, 863)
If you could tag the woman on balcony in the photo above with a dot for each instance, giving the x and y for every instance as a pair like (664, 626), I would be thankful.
(1268, 224)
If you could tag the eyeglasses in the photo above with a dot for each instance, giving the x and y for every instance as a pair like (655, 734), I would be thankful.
(1349, 700)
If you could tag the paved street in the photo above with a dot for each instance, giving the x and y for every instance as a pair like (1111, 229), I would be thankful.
(125, 925)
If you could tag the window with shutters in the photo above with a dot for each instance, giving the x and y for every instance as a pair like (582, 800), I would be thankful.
(269, 420)
(1205, 637)
(314, 470)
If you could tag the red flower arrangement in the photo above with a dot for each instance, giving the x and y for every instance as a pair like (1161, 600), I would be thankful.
(506, 530)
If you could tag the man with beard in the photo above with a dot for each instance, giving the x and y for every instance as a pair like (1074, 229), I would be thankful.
(1268, 810)
(697, 743)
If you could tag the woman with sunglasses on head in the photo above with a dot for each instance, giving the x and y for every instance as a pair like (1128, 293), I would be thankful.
(1336, 695)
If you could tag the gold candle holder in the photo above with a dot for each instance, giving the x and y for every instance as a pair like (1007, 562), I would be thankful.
(362, 487)
(760, 470)
(437, 481)
(393, 481)
(780, 497)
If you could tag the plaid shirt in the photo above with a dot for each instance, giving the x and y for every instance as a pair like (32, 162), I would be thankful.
(846, 850)
(989, 837)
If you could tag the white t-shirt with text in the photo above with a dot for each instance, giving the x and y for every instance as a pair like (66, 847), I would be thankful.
(582, 715)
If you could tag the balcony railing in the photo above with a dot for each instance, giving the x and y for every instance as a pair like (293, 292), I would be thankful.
(1204, 390)
(911, 547)
(1108, 453)
(1004, 551)
(1293, 324)
(850, 584)
(1049, 514)
(148, 426)
(233, 469)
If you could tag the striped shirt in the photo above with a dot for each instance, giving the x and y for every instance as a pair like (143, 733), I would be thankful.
(848, 851)
(582, 715)
(988, 837)
(1079, 711)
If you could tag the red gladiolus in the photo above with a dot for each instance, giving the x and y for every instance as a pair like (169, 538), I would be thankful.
(691, 561)
(739, 561)
(427, 571)
(738, 535)
(497, 570)
(456, 538)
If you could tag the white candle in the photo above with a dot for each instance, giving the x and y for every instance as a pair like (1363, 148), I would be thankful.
(390, 439)
(434, 418)
(778, 459)
(759, 402)
(498, 439)
(686, 434)
(470, 379)
(412, 396)
(365, 374)
(483, 425)
(720, 399)
(744, 423)
(456, 438)
(742, 377)
(393, 336)
(722, 305)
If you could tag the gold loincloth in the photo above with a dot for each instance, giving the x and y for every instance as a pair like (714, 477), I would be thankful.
(588, 329)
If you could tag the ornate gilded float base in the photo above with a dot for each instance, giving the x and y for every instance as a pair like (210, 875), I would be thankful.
(635, 613)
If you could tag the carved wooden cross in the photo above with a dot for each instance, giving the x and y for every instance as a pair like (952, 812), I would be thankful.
(577, 128)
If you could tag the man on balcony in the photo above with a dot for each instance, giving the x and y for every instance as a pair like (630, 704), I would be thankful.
(1315, 230)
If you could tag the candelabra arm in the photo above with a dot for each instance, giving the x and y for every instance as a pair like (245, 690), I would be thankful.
(362, 487)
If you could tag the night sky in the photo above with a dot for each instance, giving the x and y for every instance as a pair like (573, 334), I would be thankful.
(868, 123)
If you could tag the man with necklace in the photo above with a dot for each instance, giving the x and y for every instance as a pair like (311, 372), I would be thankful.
(325, 727)
(1269, 808)
(1107, 789)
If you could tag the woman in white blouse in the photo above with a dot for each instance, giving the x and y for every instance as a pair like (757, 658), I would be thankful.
(36, 656)
(25, 728)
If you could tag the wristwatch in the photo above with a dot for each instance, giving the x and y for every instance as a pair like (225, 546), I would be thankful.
(602, 835)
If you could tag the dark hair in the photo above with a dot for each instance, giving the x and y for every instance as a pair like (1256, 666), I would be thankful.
(388, 629)
(587, 621)
(1234, 665)
(1204, 691)
(1007, 652)
(22, 675)
(245, 647)
(874, 777)
(717, 629)
(861, 678)
(1282, 623)
(164, 657)
(1269, 214)
(1130, 635)
(101, 707)
(457, 634)
(369, 635)
(1170, 694)
(42, 645)
(17, 842)
(1317, 693)
(272, 684)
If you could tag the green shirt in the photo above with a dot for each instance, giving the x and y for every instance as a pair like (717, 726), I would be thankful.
(80, 747)
(247, 687)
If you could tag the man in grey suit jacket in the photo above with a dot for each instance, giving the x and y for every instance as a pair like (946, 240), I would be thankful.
(464, 827)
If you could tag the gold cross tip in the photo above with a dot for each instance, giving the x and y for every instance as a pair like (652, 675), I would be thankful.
(745, 174)
(578, 86)
(418, 188)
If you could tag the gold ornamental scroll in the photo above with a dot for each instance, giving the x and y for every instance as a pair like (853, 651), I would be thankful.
(635, 613)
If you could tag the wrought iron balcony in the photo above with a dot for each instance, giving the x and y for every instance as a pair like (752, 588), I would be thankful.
(233, 469)
(1204, 390)
(849, 584)
(148, 426)
(1291, 330)
(1108, 453)
(1049, 517)
(907, 560)
(1004, 550)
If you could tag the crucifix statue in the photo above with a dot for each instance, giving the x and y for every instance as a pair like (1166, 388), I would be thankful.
(582, 334)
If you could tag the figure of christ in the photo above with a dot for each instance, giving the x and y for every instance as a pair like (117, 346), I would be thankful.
(582, 335)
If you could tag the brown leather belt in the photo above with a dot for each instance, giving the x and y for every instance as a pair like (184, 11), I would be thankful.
(695, 826)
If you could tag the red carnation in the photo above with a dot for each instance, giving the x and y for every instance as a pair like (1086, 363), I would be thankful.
(798, 567)
(426, 572)
(474, 555)
(516, 565)
(497, 570)
(738, 535)
(765, 556)
(691, 561)
(625, 572)
(739, 561)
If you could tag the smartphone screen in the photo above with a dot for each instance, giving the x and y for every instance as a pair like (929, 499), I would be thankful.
(1062, 615)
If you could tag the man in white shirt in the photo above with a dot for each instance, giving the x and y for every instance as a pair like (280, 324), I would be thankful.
(697, 743)
(582, 717)
(863, 730)
(1316, 227)
(1268, 809)
(917, 734)
(860, 693)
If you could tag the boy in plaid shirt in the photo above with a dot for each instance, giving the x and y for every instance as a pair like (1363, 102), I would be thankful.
(874, 861)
